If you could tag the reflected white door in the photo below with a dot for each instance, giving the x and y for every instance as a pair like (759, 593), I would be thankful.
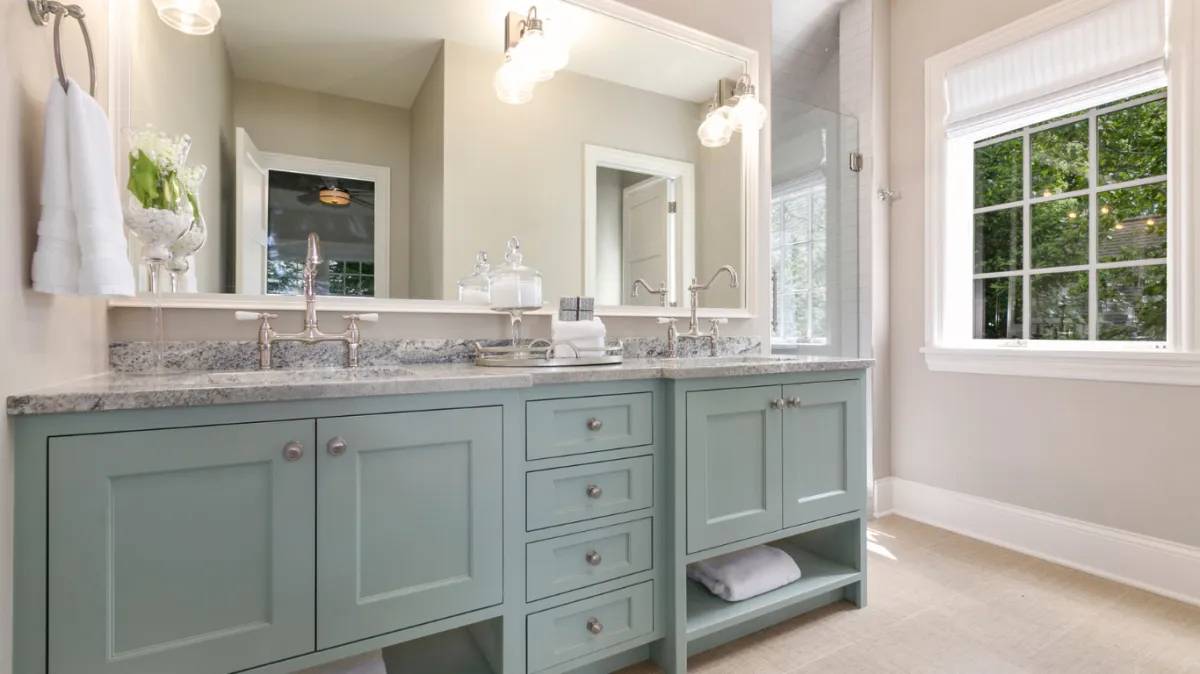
(250, 273)
(646, 230)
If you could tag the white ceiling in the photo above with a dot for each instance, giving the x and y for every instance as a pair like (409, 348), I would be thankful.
(381, 50)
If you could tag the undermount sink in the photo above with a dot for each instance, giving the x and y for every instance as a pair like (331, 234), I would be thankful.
(313, 376)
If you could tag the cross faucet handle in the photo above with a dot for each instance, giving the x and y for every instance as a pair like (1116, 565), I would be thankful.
(253, 316)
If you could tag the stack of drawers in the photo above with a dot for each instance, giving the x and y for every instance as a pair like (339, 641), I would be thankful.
(589, 513)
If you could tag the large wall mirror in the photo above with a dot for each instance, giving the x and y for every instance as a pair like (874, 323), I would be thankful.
(384, 132)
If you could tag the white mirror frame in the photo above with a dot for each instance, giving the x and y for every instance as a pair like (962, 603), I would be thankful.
(123, 35)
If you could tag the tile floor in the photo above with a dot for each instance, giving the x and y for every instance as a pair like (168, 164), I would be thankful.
(940, 602)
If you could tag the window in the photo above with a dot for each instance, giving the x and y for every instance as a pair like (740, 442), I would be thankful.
(1070, 227)
(1059, 196)
(353, 279)
(799, 267)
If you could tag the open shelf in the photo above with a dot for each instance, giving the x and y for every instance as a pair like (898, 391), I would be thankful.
(707, 613)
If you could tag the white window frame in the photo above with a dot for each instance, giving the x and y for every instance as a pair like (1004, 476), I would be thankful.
(949, 342)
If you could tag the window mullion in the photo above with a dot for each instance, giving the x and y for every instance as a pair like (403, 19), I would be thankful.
(1026, 237)
(1093, 227)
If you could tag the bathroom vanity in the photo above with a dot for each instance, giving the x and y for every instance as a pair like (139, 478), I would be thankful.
(462, 519)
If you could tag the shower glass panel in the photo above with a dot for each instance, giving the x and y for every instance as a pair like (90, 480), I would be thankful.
(815, 210)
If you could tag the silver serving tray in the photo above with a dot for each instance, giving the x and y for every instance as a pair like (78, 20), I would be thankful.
(540, 353)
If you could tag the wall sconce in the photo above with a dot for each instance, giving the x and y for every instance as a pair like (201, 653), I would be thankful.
(735, 108)
(530, 56)
(192, 17)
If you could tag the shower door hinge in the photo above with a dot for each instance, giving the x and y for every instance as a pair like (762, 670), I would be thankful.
(672, 206)
(856, 161)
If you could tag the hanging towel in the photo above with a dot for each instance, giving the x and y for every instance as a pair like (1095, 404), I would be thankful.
(104, 252)
(586, 336)
(81, 248)
(367, 663)
(745, 573)
(56, 261)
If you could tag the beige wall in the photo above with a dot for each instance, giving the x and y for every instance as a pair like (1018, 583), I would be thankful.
(428, 178)
(46, 339)
(292, 121)
(1120, 455)
(184, 84)
(746, 23)
(719, 214)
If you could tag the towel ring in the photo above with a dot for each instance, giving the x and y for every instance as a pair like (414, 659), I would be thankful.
(41, 10)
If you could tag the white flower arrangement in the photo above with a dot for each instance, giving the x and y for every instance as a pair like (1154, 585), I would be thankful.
(156, 161)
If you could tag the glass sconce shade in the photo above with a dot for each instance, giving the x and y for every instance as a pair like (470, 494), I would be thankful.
(716, 129)
(537, 54)
(749, 113)
(513, 81)
(193, 17)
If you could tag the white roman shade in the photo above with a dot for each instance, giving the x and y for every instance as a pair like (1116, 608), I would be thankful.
(1111, 52)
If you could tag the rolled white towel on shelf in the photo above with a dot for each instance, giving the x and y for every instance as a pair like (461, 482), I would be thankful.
(745, 573)
(586, 336)
(367, 663)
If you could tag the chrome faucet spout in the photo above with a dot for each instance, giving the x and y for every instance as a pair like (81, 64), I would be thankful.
(694, 291)
(733, 279)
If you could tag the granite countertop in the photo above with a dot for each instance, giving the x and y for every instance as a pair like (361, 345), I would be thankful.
(121, 391)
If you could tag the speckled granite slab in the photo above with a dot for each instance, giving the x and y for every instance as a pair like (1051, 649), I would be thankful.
(124, 391)
(219, 356)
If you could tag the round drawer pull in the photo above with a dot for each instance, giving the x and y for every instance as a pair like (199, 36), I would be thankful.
(337, 446)
(594, 424)
(292, 451)
(794, 402)
(593, 558)
(594, 491)
(778, 404)
(594, 626)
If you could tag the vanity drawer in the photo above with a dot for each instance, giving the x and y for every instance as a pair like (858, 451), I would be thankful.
(577, 493)
(582, 425)
(575, 630)
(579, 560)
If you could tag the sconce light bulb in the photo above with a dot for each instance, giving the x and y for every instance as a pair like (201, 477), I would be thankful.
(192, 17)
(716, 129)
(537, 54)
(749, 113)
(513, 81)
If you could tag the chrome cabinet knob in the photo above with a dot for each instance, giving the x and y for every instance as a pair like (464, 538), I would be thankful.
(337, 446)
(793, 402)
(594, 491)
(594, 424)
(778, 404)
(594, 626)
(293, 450)
(593, 558)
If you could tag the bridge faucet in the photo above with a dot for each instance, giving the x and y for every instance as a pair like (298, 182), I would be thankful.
(311, 334)
(714, 333)
(661, 292)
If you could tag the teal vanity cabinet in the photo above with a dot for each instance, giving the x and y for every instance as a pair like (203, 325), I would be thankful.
(765, 458)
(181, 550)
(409, 523)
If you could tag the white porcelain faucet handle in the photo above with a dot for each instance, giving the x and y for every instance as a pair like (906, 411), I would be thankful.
(252, 315)
(664, 321)
(369, 318)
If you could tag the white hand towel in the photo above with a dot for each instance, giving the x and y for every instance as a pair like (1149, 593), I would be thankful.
(56, 260)
(367, 663)
(586, 336)
(104, 252)
(745, 573)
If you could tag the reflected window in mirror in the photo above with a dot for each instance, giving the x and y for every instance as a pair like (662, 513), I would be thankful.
(799, 252)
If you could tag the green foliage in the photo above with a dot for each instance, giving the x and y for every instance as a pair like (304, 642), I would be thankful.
(1131, 226)
(152, 188)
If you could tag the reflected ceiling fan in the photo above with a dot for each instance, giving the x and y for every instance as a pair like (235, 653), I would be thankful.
(331, 192)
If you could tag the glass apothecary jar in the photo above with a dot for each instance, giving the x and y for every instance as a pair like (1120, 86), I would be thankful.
(477, 287)
(515, 286)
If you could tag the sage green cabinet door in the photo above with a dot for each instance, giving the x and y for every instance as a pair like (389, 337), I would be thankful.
(187, 551)
(824, 451)
(734, 442)
(409, 520)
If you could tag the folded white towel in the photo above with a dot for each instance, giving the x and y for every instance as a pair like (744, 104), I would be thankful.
(104, 252)
(56, 260)
(745, 573)
(81, 238)
(367, 663)
(586, 336)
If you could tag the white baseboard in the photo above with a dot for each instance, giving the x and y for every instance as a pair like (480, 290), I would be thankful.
(1152, 564)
